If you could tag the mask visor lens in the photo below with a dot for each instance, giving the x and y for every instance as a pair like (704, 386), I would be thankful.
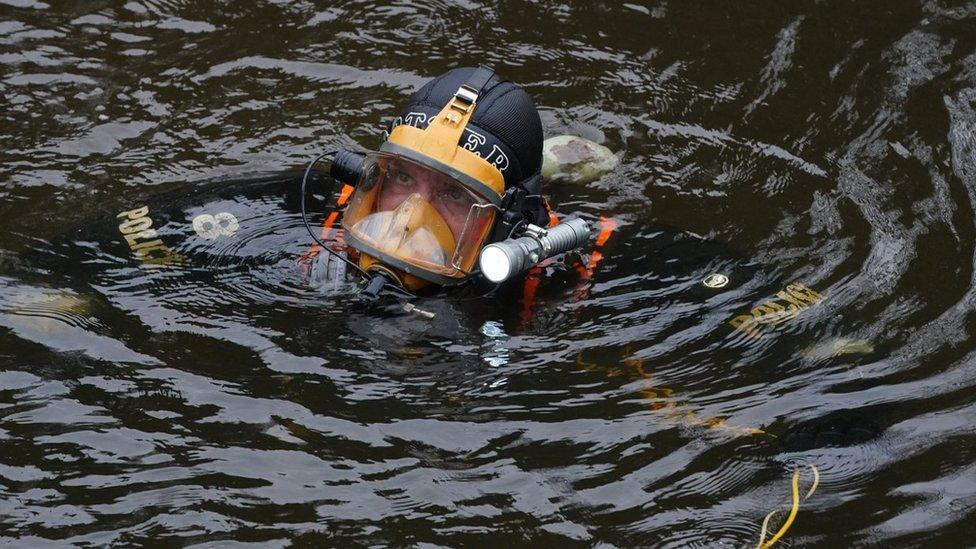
(418, 215)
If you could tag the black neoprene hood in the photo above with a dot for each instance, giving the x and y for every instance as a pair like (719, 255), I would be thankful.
(505, 128)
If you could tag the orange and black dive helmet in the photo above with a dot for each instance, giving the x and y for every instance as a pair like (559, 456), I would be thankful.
(459, 168)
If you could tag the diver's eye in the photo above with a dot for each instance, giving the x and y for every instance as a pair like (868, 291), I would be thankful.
(452, 194)
(403, 178)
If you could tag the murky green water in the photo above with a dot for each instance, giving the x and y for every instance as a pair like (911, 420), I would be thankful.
(820, 154)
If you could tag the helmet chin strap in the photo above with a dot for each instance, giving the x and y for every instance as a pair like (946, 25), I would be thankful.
(478, 80)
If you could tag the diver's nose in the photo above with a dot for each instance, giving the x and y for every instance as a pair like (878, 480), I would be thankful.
(426, 190)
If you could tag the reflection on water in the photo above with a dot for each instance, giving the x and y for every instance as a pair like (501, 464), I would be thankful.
(168, 372)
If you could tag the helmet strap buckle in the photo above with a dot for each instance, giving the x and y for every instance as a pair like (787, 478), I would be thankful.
(464, 101)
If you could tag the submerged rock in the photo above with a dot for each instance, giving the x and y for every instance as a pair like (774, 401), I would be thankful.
(575, 160)
(41, 309)
(836, 347)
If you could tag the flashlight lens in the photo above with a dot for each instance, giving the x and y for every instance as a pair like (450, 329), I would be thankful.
(495, 264)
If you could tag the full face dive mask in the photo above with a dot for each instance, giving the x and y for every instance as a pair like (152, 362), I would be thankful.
(424, 206)
(452, 177)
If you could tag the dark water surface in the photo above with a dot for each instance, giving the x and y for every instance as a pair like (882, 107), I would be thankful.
(820, 154)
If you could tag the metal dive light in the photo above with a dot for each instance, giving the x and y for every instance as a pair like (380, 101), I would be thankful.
(503, 260)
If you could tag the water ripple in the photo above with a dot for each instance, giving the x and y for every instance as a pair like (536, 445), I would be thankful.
(219, 398)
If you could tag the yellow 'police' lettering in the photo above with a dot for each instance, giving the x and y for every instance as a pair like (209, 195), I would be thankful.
(745, 323)
(802, 292)
(796, 298)
(131, 238)
(141, 211)
(135, 225)
(793, 301)
(136, 229)
(138, 248)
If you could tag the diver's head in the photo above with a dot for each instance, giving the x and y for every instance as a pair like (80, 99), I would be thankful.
(459, 166)
(504, 129)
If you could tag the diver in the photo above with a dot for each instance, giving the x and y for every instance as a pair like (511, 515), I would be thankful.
(452, 198)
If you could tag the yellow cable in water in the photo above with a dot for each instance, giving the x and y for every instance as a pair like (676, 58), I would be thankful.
(816, 482)
(794, 509)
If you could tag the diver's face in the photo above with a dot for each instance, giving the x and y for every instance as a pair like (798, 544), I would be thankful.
(449, 199)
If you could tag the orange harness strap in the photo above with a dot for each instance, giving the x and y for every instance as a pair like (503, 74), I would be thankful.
(531, 285)
(328, 226)
(607, 227)
(329, 223)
